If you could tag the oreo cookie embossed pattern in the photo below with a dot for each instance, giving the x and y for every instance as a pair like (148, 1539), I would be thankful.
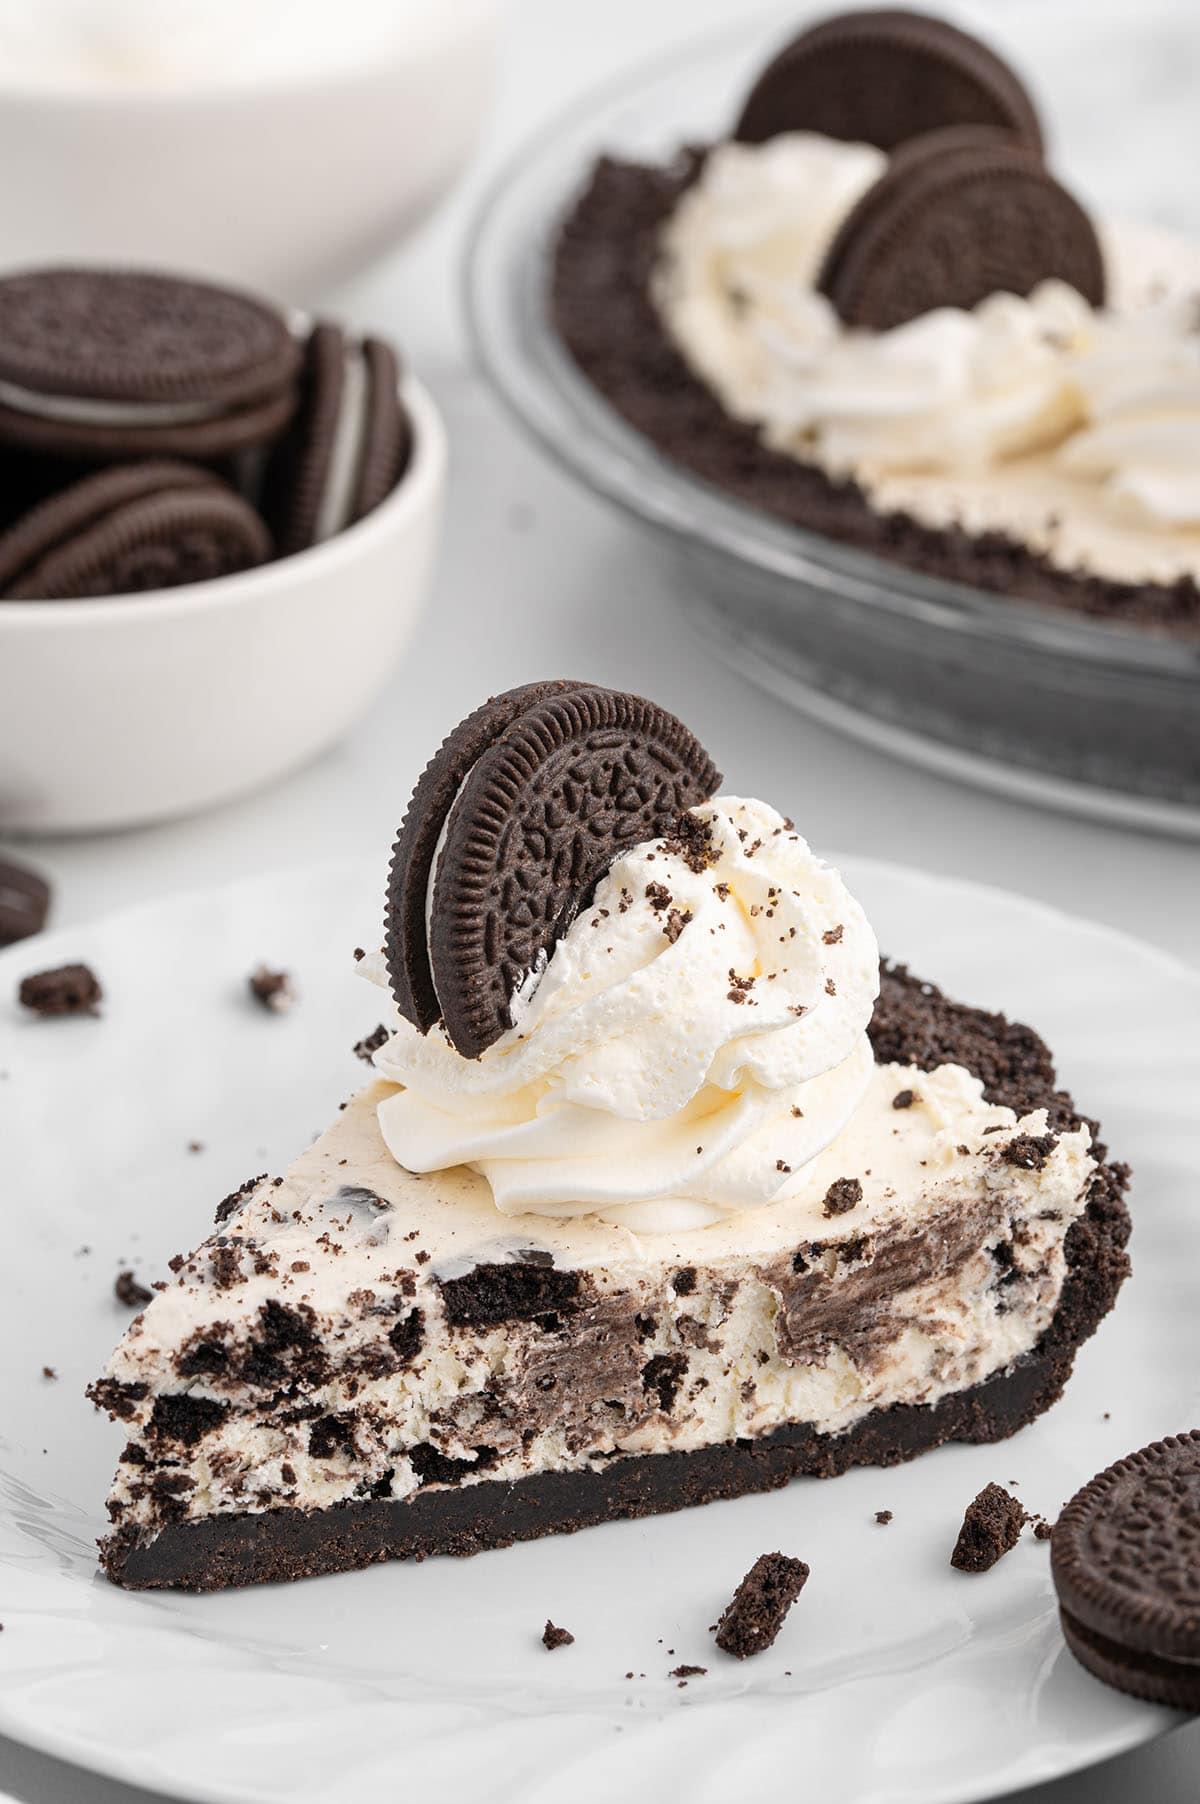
(163, 431)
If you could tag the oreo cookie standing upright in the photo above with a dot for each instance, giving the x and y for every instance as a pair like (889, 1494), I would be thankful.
(510, 828)
(958, 215)
(419, 841)
(347, 446)
(101, 365)
(883, 76)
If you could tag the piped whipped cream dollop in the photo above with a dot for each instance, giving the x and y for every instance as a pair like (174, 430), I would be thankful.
(697, 1035)
(1139, 376)
(948, 392)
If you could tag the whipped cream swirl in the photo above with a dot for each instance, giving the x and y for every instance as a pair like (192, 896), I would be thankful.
(1140, 380)
(950, 392)
(697, 1035)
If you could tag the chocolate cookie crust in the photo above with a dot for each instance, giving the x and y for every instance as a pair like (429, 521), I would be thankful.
(600, 305)
(913, 1022)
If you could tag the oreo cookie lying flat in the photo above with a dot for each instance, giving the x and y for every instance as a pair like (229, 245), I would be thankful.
(957, 215)
(347, 446)
(509, 829)
(1125, 1555)
(128, 529)
(106, 364)
(884, 76)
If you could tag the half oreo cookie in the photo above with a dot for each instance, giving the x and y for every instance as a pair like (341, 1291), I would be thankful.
(106, 364)
(127, 529)
(347, 446)
(510, 827)
(1125, 1555)
(958, 215)
(883, 76)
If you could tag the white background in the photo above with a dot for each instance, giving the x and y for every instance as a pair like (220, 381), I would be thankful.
(538, 580)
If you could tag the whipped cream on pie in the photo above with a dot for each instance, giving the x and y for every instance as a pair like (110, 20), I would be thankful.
(697, 1036)
(1074, 429)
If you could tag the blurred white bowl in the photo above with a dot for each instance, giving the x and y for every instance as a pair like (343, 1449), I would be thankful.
(280, 146)
(127, 709)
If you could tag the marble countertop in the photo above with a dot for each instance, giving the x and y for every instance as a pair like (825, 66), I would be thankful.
(537, 577)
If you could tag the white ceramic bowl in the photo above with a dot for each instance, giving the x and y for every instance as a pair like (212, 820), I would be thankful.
(131, 708)
(283, 172)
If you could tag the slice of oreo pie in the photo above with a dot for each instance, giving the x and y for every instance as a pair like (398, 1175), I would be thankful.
(682, 287)
(365, 1361)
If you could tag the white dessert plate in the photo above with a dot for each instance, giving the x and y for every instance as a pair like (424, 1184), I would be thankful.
(895, 1677)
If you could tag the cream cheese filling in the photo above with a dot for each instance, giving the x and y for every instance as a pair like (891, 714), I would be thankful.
(738, 1335)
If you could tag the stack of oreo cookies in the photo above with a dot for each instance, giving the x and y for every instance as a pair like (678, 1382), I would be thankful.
(156, 430)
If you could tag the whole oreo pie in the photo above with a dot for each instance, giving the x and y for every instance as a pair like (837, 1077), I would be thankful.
(877, 312)
(647, 1118)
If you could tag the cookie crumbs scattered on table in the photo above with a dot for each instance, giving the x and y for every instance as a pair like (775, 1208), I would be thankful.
(65, 990)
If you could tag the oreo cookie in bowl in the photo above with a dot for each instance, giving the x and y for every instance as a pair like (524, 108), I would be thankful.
(922, 426)
(205, 495)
